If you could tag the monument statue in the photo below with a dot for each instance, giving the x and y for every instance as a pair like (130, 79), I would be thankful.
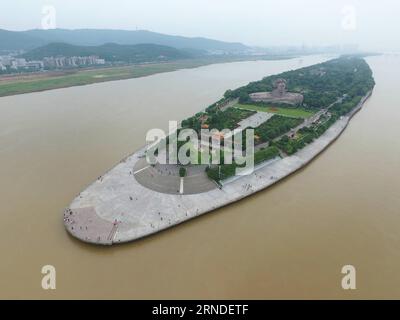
(278, 95)
(280, 88)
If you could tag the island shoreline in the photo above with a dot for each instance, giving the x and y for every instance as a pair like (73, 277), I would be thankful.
(316, 148)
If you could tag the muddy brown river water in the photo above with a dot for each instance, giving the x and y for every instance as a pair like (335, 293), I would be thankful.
(289, 241)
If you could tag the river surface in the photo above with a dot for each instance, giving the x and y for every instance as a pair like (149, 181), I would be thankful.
(289, 241)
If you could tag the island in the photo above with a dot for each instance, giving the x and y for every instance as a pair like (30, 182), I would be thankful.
(291, 118)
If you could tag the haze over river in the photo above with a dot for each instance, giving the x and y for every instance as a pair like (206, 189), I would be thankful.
(289, 241)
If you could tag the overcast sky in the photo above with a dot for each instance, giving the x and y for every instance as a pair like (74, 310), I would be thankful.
(372, 24)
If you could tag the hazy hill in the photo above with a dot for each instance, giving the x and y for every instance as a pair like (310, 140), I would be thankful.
(11, 40)
(93, 37)
(110, 52)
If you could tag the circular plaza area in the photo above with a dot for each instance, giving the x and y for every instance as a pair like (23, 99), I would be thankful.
(165, 178)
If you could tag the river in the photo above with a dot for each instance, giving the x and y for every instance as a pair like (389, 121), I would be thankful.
(289, 241)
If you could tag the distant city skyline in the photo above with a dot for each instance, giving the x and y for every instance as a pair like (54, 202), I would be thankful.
(369, 24)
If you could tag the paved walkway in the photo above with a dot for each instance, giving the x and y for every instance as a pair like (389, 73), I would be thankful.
(140, 211)
(117, 208)
(255, 120)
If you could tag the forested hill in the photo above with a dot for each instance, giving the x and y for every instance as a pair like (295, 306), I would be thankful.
(30, 39)
(321, 84)
(110, 52)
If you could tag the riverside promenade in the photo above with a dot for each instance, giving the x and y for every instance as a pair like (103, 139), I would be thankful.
(116, 208)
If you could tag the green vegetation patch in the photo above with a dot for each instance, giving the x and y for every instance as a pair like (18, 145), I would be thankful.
(321, 84)
(225, 171)
(275, 127)
(309, 134)
(228, 119)
(216, 119)
(289, 112)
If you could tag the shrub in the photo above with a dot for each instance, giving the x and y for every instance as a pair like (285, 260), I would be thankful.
(182, 172)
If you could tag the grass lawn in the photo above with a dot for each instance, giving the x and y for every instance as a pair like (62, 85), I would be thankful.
(295, 112)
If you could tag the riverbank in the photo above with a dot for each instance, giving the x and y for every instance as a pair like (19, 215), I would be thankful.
(43, 81)
(116, 208)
